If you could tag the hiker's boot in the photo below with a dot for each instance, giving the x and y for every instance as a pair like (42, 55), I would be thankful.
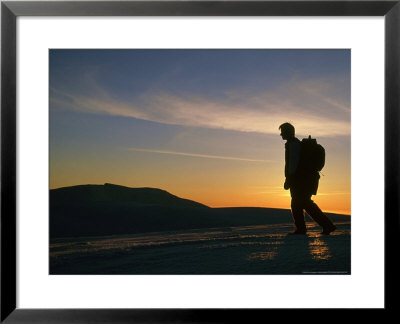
(328, 230)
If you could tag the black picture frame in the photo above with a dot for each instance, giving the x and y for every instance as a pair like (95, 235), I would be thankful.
(10, 10)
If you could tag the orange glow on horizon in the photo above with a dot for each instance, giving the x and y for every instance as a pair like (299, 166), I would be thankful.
(280, 199)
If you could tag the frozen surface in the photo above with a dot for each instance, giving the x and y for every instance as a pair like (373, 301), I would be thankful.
(261, 249)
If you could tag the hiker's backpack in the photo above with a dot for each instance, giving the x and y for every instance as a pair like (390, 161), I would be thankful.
(312, 155)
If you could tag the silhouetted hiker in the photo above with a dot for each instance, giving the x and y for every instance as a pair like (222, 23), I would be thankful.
(302, 180)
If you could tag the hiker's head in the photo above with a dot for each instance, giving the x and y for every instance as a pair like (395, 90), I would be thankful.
(287, 131)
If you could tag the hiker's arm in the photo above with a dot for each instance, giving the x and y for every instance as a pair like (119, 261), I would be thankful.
(294, 158)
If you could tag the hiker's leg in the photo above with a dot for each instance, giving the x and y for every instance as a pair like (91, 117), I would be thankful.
(297, 206)
(318, 215)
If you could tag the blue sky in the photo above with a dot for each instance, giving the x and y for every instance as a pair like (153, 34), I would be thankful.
(112, 110)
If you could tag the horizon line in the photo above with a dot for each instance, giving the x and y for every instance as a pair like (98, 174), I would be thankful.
(339, 212)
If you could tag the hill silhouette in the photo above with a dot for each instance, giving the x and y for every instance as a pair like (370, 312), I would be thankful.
(93, 210)
(111, 193)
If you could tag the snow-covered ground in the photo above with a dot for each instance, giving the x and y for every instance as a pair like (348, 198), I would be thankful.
(261, 249)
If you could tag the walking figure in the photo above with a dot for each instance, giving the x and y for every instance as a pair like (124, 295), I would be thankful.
(302, 178)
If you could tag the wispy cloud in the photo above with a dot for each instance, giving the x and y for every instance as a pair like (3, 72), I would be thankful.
(313, 106)
(206, 156)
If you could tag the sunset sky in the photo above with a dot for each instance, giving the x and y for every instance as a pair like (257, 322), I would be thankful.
(201, 124)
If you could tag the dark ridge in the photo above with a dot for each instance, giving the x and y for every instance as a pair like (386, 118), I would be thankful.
(116, 193)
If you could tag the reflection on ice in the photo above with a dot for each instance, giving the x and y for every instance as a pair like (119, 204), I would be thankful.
(319, 249)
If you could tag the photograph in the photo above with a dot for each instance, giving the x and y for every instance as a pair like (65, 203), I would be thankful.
(199, 161)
